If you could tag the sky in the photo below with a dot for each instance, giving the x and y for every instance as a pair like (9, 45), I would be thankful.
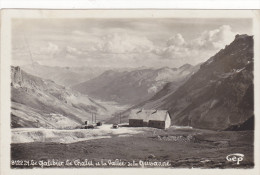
(122, 42)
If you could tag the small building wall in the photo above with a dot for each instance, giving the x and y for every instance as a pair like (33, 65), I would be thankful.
(156, 124)
(168, 121)
(136, 123)
(145, 124)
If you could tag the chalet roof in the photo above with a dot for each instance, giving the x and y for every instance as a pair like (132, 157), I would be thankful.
(146, 115)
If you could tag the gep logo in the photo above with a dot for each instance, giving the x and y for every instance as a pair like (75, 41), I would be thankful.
(236, 157)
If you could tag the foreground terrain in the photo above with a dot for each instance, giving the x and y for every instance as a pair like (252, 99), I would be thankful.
(180, 147)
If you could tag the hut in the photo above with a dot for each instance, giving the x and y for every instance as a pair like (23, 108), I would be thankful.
(152, 118)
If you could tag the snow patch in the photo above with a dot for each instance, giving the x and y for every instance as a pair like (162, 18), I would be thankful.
(239, 70)
(209, 61)
(152, 89)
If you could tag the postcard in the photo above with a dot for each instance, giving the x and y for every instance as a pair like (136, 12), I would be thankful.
(129, 91)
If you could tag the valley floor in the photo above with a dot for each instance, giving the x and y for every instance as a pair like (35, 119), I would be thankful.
(179, 147)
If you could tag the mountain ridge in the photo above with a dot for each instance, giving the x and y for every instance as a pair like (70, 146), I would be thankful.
(131, 87)
(218, 95)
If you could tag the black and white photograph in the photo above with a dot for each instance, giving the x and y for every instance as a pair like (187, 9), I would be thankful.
(156, 91)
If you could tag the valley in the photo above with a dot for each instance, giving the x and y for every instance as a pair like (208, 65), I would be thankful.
(38, 102)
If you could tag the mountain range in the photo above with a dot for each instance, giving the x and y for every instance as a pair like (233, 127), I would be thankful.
(134, 86)
(219, 95)
(65, 76)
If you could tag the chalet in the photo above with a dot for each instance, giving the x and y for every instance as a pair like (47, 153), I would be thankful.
(152, 118)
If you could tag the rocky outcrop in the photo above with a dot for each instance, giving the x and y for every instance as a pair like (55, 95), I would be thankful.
(249, 124)
(16, 76)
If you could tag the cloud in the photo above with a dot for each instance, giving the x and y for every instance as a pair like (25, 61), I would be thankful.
(198, 49)
(176, 40)
(128, 49)
(122, 43)
(77, 32)
(51, 49)
(214, 39)
(73, 51)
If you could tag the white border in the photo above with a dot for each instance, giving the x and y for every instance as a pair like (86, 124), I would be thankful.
(7, 15)
(132, 4)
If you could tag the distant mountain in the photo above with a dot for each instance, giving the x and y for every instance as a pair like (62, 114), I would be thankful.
(133, 86)
(218, 95)
(66, 76)
(37, 102)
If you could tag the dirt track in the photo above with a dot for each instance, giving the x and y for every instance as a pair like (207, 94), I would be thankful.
(27, 135)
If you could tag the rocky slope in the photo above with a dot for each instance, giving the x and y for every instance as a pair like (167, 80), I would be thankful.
(249, 124)
(218, 95)
(37, 102)
(134, 86)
